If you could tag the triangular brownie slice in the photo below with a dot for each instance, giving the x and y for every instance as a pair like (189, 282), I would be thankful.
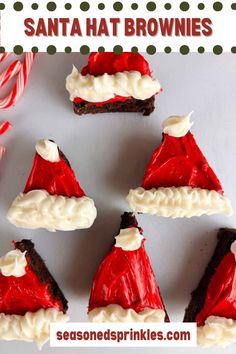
(178, 181)
(30, 298)
(213, 303)
(52, 198)
(124, 287)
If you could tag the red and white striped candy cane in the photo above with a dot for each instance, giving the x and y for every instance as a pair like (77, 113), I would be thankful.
(10, 72)
(3, 56)
(20, 84)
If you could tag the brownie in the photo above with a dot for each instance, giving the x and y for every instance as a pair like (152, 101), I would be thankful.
(130, 105)
(225, 239)
(38, 266)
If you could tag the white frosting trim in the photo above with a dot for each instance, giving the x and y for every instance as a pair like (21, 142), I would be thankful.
(13, 263)
(178, 202)
(129, 239)
(116, 313)
(102, 88)
(177, 126)
(39, 209)
(32, 327)
(233, 249)
(48, 150)
(219, 331)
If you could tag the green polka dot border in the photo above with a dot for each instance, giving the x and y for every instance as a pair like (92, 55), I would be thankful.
(68, 6)
(84, 6)
(84, 49)
(184, 50)
(68, 50)
(151, 6)
(18, 49)
(2, 6)
(217, 6)
(34, 49)
(51, 6)
(18, 6)
(217, 50)
(118, 6)
(118, 49)
(51, 49)
(34, 6)
(184, 6)
(101, 49)
(151, 49)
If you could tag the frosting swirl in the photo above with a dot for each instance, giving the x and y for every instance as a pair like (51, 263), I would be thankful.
(39, 209)
(178, 202)
(116, 313)
(13, 264)
(33, 326)
(105, 87)
(217, 331)
(177, 126)
(48, 150)
(129, 239)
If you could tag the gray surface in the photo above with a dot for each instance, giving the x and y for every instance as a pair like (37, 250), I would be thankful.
(109, 154)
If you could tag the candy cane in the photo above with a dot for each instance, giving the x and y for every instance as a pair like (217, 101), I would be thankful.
(4, 127)
(3, 56)
(20, 82)
(10, 72)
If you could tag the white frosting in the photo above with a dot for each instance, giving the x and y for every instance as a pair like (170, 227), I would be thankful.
(33, 326)
(219, 331)
(129, 239)
(177, 126)
(39, 209)
(233, 249)
(102, 88)
(116, 313)
(13, 264)
(178, 202)
(48, 150)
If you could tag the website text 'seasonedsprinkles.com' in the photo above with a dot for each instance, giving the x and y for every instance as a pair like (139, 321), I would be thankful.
(125, 335)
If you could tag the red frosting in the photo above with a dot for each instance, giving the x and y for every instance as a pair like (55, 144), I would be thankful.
(221, 293)
(55, 177)
(125, 278)
(111, 63)
(179, 162)
(21, 294)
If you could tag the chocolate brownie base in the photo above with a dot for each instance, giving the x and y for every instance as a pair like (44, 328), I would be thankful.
(131, 105)
(225, 238)
(38, 266)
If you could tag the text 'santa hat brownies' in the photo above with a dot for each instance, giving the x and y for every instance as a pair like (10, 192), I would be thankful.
(178, 181)
(124, 287)
(52, 198)
(113, 83)
(30, 298)
(213, 304)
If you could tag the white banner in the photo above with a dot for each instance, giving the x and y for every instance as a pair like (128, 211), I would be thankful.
(123, 335)
(150, 26)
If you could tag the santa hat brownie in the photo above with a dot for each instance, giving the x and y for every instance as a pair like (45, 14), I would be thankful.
(52, 198)
(213, 303)
(178, 181)
(113, 83)
(30, 298)
(124, 287)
